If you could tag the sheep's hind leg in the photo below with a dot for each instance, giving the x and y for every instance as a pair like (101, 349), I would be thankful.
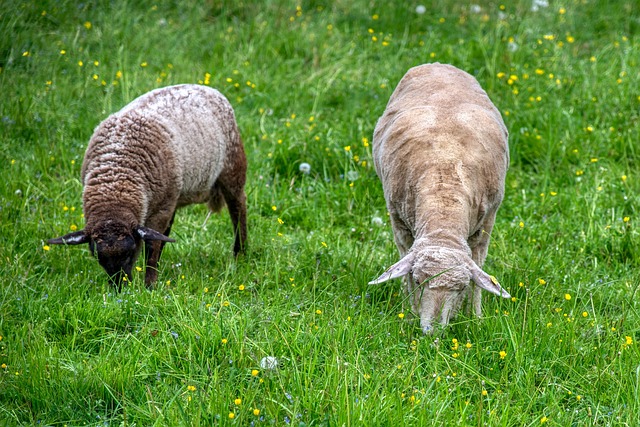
(237, 204)
(231, 184)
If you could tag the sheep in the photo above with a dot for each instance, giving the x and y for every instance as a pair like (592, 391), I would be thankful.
(441, 151)
(169, 148)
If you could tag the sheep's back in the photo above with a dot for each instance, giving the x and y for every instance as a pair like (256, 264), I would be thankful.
(202, 130)
(438, 114)
(440, 137)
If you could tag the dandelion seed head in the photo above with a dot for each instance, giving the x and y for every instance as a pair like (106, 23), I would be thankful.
(305, 168)
(420, 9)
(376, 220)
(269, 362)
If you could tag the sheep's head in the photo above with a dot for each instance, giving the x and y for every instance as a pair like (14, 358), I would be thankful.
(115, 244)
(438, 281)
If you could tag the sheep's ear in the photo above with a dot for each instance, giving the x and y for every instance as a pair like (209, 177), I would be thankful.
(147, 233)
(399, 269)
(486, 282)
(76, 238)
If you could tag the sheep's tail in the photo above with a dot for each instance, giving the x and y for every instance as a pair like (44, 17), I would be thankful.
(216, 201)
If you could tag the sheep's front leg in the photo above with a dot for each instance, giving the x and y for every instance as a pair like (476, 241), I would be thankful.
(401, 233)
(153, 251)
(404, 240)
(479, 244)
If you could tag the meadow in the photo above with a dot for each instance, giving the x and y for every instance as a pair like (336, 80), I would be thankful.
(308, 81)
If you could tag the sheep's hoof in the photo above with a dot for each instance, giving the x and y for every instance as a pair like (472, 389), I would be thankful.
(427, 330)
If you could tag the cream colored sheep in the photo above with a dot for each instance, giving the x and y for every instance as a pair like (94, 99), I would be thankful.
(441, 152)
(168, 148)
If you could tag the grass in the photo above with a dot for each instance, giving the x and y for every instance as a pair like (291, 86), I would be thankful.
(308, 81)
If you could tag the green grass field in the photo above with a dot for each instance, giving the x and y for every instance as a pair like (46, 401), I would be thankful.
(308, 82)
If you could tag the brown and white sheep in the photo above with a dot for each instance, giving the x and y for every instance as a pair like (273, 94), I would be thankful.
(169, 148)
(441, 152)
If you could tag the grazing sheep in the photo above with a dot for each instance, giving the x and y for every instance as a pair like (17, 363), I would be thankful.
(441, 152)
(168, 148)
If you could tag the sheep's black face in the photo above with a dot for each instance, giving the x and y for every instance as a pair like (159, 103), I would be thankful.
(117, 258)
(117, 254)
